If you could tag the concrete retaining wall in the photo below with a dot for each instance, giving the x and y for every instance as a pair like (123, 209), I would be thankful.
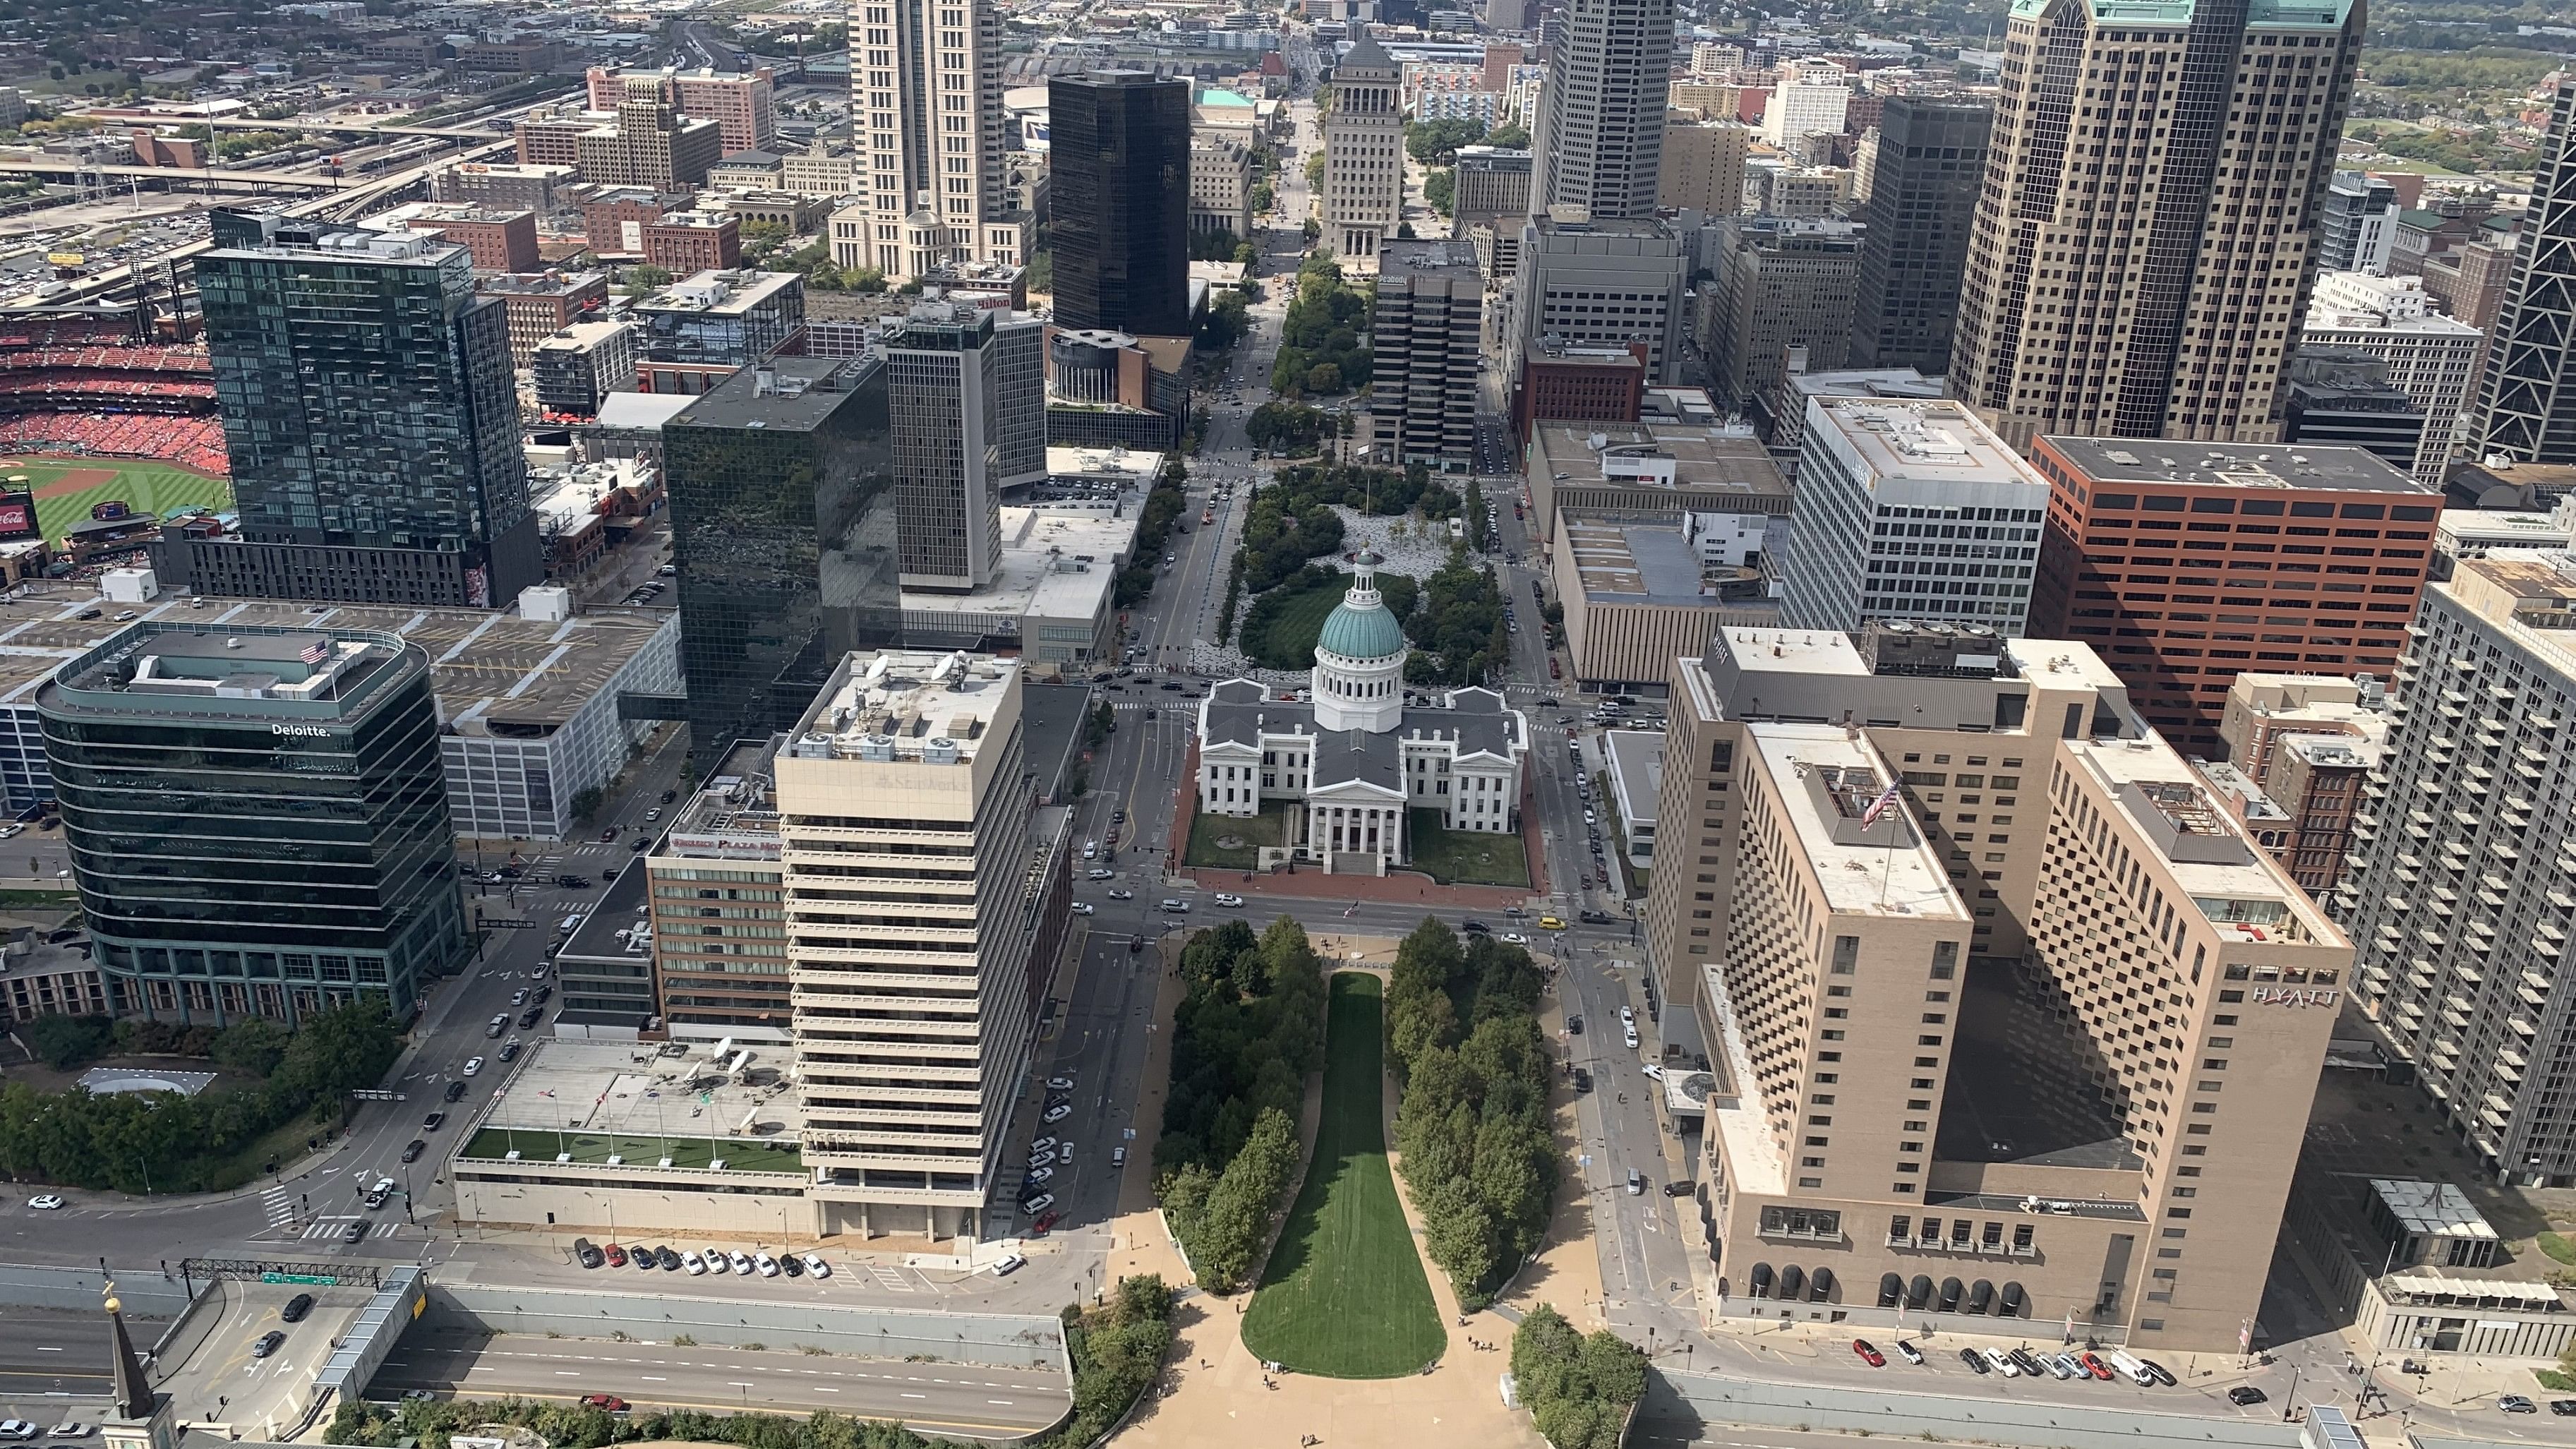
(1685, 1402)
(1008, 1340)
(143, 1291)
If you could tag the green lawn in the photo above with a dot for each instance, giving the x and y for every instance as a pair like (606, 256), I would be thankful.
(1256, 831)
(149, 487)
(494, 1144)
(1466, 857)
(1287, 638)
(1344, 1294)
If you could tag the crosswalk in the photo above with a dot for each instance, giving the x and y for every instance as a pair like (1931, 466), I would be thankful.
(328, 1227)
(278, 1205)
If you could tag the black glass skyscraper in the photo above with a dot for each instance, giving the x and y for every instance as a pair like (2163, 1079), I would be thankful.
(371, 419)
(1120, 151)
(1922, 207)
(257, 818)
(781, 482)
(2528, 409)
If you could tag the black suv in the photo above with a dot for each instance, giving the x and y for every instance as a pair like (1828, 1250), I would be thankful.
(296, 1307)
(456, 1091)
(412, 1152)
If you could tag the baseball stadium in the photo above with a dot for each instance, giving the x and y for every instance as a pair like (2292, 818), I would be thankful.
(96, 423)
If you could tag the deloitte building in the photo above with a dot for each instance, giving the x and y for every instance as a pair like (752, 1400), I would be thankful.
(257, 818)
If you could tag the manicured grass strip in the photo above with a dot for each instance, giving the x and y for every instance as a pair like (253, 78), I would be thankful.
(1466, 857)
(1344, 1295)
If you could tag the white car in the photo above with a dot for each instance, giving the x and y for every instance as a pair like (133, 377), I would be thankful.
(1043, 1144)
(1655, 1072)
(815, 1265)
(45, 1201)
(740, 1260)
(692, 1264)
(1041, 1159)
(1223, 899)
(1096, 873)
(1056, 1114)
(473, 1065)
(1122, 895)
(71, 1429)
(1513, 938)
(1008, 1264)
(767, 1265)
(1059, 1084)
(1082, 908)
(716, 1262)
(18, 1429)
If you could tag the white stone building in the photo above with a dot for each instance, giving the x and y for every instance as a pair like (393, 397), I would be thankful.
(1356, 759)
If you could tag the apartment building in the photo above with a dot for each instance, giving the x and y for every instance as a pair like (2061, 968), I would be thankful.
(540, 304)
(1220, 184)
(1795, 111)
(2431, 358)
(743, 104)
(719, 918)
(1702, 167)
(2266, 711)
(2192, 562)
(926, 131)
(688, 242)
(2457, 894)
(1430, 315)
(1910, 509)
(915, 887)
(2051, 1065)
(575, 368)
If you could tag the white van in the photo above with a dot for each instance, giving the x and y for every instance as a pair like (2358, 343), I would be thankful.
(2128, 1365)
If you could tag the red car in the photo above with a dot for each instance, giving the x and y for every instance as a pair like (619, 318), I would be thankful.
(610, 1402)
(616, 1255)
(2093, 1365)
(608, 835)
(1868, 1355)
(1039, 1228)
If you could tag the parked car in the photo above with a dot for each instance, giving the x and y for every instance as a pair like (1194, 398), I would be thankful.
(587, 1253)
(667, 1260)
(1869, 1353)
(45, 1202)
(1905, 1349)
(815, 1265)
(1038, 1204)
(609, 1402)
(1680, 1188)
(692, 1264)
(615, 1254)
(766, 1265)
(2002, 1363)
(20, 1428)
(1054, 1115)
(2245, 1395)
(2517, 1404)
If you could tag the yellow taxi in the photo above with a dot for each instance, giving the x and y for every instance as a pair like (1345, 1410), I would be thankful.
(1551, 923)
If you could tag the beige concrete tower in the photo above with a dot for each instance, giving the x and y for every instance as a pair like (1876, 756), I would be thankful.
(926, 115)
(1364, 152)
(2139, 264)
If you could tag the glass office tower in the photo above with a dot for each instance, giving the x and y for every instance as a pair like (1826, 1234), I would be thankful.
(781, 481)
(370, 417)
(257, 818)
(1120, 150)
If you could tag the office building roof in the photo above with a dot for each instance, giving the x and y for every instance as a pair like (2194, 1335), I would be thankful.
(720, 293)
(2233, 465)
(1634, 562)
(634, 1090)
(1052, 565)
(914, 706)
(787, 394)
(1699, 457)
(1636, 770)
(734, 814)
(1922, 440)
(1829, 779)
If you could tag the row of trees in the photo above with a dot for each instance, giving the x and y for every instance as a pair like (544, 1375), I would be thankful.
(1282, 530)
(1323, 340)
(1459, 634)
(1275, 423)
(1163, 505)
(1578, 1388)
(1244, 1041)
(160, 1142)
(1462, 1023)
(252, 1046)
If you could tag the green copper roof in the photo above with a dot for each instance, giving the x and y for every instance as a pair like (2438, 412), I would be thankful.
(1354, 633)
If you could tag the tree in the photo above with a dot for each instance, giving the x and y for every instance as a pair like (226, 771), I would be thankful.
(64, 1042)
(1315, 168)
(251, 1045)
(1430, 141)
(1323, 377)
(1440, 189)
(1508, 138)
(648, 276)
(1247, 255)
(1459, 1233)
(1264, 197)
(864, 279)
(1312, 230)
(1040, 274)
(586, 802)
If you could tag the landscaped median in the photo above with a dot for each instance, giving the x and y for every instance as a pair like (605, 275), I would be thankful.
(1345, 1295)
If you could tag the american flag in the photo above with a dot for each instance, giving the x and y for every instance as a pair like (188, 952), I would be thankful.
(1878, 806)
(315, 652)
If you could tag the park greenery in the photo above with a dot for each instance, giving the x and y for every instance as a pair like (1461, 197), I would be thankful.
(1244, 1040)
(1578, 1388)
(1458, 633)
(1280, 629)
(1509, 138)
(1440, 188)
(251, 1046)
(1462, 1023)
(1436, 142)
(1286, 424)
(1323, 340)
(1228, 321)
(1116, 1348)
(129, 1142)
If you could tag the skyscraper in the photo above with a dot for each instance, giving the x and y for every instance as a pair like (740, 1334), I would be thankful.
(2479, 1004)
(2358, 222)
(2527, 410)
(1430, 313)
(1914, 248)
(2140, 260)
(1600, 137)
(370, 417)
(1120, 154)
(944, 391)
(781, 481)
(915, 1013)
(926, 117)
(1364, 151)
(1782, 282)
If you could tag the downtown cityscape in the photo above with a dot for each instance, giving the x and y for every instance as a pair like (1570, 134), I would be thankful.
(870, 724)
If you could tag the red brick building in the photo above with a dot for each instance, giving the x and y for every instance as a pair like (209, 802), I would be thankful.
(499, 241)
(1581, 385)
(694, 241)
(553, 140)
(2185, 564)
(613, 220)
(151, 148)
(540, 304)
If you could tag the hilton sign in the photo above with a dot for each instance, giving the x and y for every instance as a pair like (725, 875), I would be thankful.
(2292, 996)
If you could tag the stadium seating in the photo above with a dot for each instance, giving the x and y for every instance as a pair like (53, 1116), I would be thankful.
(82, 388)
(196, 443)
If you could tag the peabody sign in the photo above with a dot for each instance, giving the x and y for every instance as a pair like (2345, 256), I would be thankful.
(2292, 996)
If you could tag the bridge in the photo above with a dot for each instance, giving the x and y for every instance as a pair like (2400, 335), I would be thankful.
(222, 176)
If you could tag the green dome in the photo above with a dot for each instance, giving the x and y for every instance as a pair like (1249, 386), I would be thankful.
(1361, 633)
